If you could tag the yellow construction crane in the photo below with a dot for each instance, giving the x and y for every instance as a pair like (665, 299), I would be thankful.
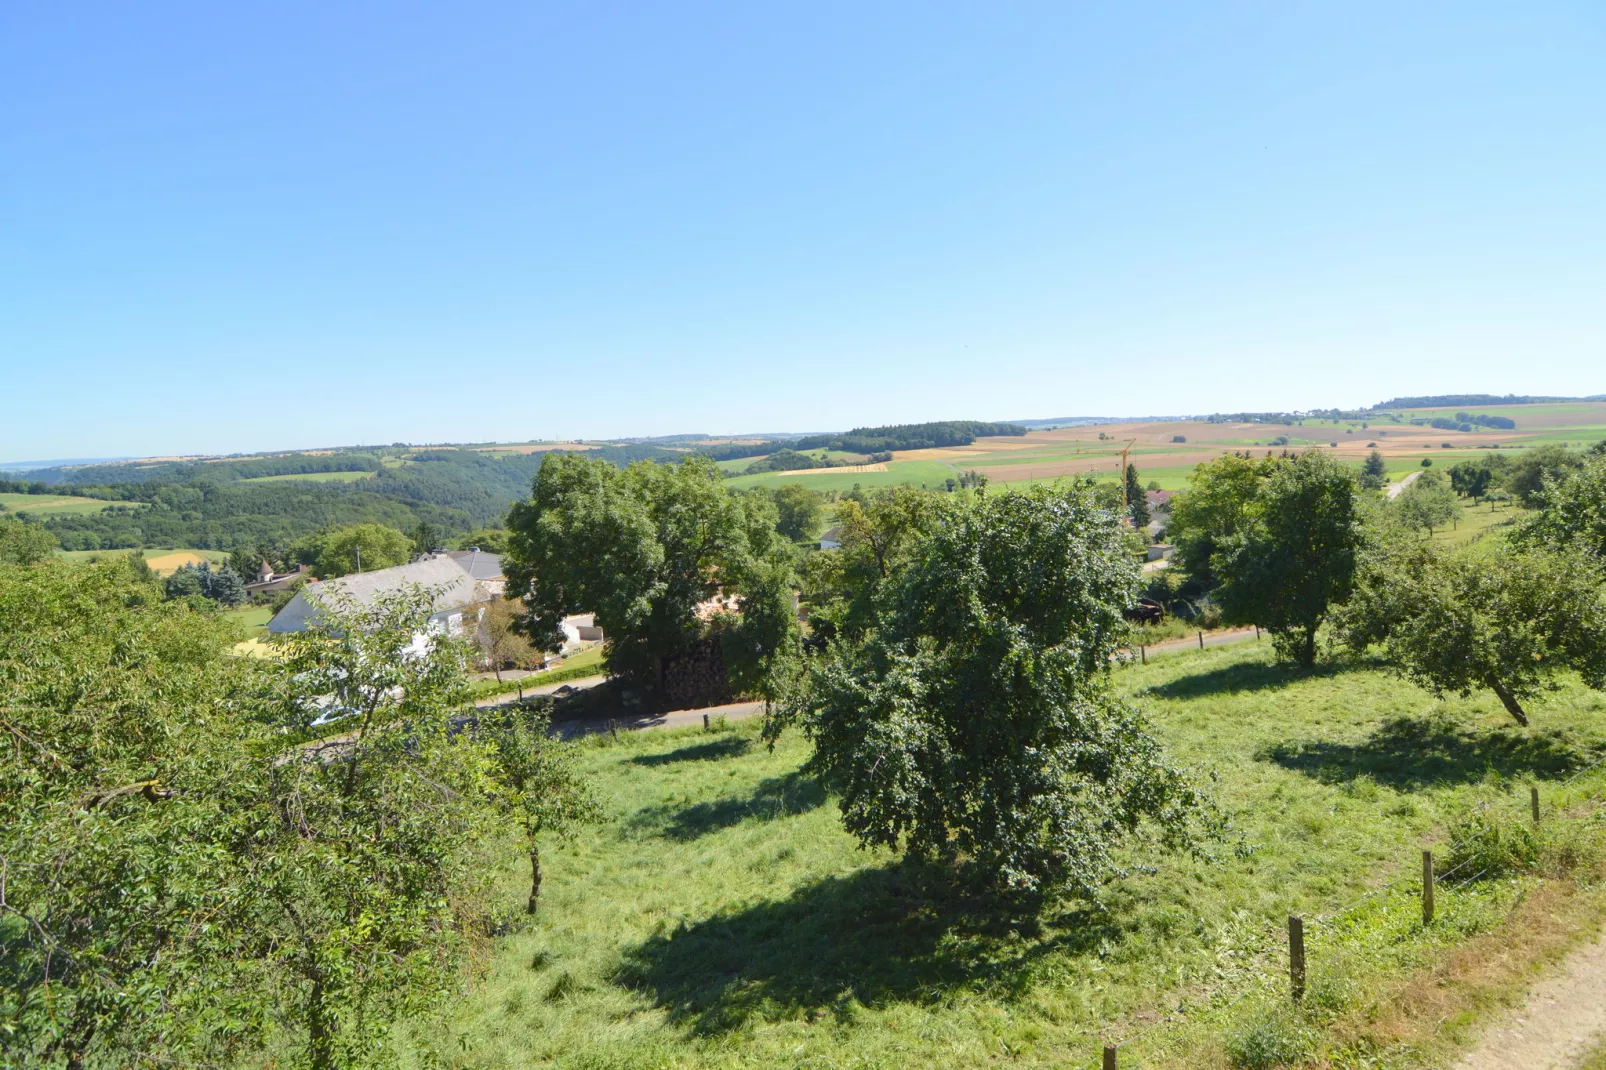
(1126, 506)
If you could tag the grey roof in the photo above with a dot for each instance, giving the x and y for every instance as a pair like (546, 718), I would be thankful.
(479, 564)
(453, 587)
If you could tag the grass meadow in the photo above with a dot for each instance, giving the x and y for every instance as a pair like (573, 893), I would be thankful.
(52, 504)
(720, 917)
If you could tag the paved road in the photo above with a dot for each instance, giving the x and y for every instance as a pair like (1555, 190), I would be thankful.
(1395, 488)
(1221, 638)
(544, 689)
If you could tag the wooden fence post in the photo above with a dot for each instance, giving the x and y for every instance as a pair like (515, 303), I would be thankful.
(705, 722)
(1143, 650)
(1201, 640)
(1296, 956)
(1427, 887)
(1111, 1052)
(1257, 633)
(1533, 802)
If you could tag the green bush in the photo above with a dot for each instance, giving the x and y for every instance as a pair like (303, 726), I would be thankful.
(1277, 1036)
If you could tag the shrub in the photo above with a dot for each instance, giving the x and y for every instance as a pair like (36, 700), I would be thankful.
(1274, 1037)
(1427, 462)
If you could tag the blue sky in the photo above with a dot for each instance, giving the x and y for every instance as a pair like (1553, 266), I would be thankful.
(228, 228)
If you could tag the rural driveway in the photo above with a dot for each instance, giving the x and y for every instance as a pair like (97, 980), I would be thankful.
(586, 726)
(1395, 488)
(1562, 1018)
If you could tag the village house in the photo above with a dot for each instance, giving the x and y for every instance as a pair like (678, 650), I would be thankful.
(457, 594)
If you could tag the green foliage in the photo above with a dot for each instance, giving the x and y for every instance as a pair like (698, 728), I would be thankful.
(876, 533)
(223, 586)
(121, 756)
(1472, 479)
(370, 546)
(365, 853)
(427, 537)
(490, 540)
(1213, 511)
(760, 644)
(1374, 471)
(1535, 468)
(1572, 511)
(1426, 504)
(799, 511)
(907, 436)
(22, 543)
(536, 780)
(974, 726)
(1137, 503)
(1507, 622)
(640, 548)
(1297, 554)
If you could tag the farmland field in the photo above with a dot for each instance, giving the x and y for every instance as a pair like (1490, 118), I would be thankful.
(161, 561)
(312, 477)
(1042, 456)
(42, 505)
(914, 473)
(720, 917)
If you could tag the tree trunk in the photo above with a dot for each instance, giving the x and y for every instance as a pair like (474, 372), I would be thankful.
(1509, 701)
(535, 878)
(1305, 654)
(320, 1031)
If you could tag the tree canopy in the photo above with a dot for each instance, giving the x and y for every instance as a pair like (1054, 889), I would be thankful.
(639, 547)
(340, 551)
(1428, 503)
(971, 722)
(1296, 554)
(22, 543)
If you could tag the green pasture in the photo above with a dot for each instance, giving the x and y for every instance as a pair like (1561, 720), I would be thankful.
(312, 477)
(253, 620)
(52, 504)
(720, 917)
(912, 473)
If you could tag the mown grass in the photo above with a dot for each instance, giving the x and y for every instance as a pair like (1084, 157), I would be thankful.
(720, 917)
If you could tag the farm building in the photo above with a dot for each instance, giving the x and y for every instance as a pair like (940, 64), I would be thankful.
(455, 592)
(832, 539)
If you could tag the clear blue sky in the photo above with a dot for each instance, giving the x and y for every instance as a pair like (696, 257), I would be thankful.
(230, 227)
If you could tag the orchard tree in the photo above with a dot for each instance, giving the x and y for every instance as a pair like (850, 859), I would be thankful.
(1572, 511)
(359, 548)
(1506, 622)
(1530, 473)
(1297, 554)
(1471, 478)
(1215, 509)
(640, 548)
(499, 639)
(23, 543)
(877, 532)
(536, 780)
(761, 642)
(975, 727)
(367, 852)
(122, 750)
(1428, 503)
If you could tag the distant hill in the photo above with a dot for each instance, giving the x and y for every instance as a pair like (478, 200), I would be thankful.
(29, 466)
(1439, 401)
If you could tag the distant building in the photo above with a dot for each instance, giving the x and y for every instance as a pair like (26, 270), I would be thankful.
(481, 567)
(268, 580)
(832, 539)
(457, 594)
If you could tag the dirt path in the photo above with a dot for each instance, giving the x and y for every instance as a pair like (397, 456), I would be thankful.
(1563, 1017)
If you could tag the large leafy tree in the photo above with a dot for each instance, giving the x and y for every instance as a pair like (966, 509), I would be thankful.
(1297, 553)
(877, 532)
(639, 547)
(1572, 511)
(1213, 511)
(537, 780)
(1529, 473)
(1507, 622)
(366, 853)
(1374, 471)
(121, 758)
(974, 725)
(370, 546)
(799, 511)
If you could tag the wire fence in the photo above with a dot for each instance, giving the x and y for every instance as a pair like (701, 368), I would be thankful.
(1266, 980)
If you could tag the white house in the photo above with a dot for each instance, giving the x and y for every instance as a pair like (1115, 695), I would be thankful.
(456, 591)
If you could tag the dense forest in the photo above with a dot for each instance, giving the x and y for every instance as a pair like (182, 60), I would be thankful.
(907, 436)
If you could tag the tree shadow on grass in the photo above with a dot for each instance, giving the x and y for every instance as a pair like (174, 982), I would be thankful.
(1244, 676)
(712, 751)
(1410, 754)
(874, 937)
(773, 798)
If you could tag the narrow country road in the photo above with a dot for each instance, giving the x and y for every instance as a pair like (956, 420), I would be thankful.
(1395, 488)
